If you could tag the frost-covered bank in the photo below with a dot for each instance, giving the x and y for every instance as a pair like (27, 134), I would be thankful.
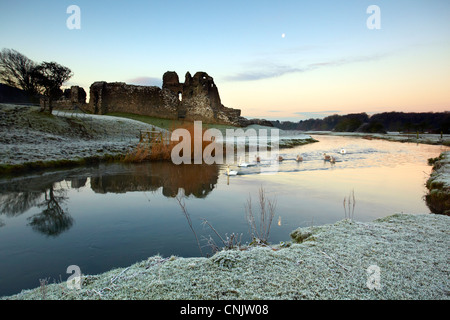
(31, 139)
(29, 136)
(425, 138)
(331, 262)
(438, 199)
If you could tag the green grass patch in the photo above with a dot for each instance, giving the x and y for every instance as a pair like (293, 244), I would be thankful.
(167, 124)
(433, 161)
(158, 122)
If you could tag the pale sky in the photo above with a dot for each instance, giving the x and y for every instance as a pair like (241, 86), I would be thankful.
(286, 60)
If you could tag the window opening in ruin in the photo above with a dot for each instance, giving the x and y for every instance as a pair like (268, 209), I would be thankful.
(180, 96)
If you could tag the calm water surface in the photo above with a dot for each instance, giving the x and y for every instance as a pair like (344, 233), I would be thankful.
(110, 216)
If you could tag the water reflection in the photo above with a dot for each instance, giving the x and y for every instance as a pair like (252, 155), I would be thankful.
(48, 192)
(16, 203)
(53, 220)
(195, 180)
(108, 216)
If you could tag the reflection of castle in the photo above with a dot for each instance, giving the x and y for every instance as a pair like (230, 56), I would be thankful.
(196, 180)
(47, 193)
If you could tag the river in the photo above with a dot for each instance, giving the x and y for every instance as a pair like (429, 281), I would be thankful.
(113, 215)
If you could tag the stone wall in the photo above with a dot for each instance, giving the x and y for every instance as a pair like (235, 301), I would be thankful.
(195, 99)
(74, 97)
(144, 100)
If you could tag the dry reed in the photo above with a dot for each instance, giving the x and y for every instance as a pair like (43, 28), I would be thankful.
(161, 149)
(349, 206)
(260, 231)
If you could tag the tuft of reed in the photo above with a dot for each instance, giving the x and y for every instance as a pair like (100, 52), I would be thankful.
(162, 149)
(188, 218)
(259, 230)
(232, 241)
(349, 206)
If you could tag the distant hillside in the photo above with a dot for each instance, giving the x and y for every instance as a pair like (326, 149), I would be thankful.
(10, 94)
(432, 122)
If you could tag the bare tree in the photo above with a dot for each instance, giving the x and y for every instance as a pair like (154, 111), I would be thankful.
(18, 71)
(23, 73)
(51, 76)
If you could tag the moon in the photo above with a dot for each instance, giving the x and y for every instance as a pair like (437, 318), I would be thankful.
(283, 35)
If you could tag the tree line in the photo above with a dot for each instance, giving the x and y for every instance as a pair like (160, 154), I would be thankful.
(431, 122)
(35, 79)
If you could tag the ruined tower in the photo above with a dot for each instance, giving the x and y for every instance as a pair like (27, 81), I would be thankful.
(195, 99)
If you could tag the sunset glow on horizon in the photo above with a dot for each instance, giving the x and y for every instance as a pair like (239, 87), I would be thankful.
(289, 60)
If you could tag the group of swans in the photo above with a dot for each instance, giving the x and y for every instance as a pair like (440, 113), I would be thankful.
(257, 160)
(326, 157)
(332, 159)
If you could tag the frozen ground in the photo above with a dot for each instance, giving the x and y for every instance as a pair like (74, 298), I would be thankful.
(441, 172)
(397, 257)
(393, 136)
(439, 185)
(29, 136)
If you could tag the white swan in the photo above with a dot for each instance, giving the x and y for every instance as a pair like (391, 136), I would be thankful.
(244, 164)
(232, 172)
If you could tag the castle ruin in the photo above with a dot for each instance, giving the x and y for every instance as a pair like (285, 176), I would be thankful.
(195, 99)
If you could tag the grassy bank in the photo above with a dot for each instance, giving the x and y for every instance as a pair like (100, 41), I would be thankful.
(410, 253)
(423, 138)
(31, 140)
(438, 198)
(167, 124)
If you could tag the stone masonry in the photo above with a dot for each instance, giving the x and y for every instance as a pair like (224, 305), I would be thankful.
(195, 99)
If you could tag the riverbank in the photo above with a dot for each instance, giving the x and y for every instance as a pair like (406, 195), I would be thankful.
(396, 257)
(31, 140)
(438, 198)
(425, 138)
